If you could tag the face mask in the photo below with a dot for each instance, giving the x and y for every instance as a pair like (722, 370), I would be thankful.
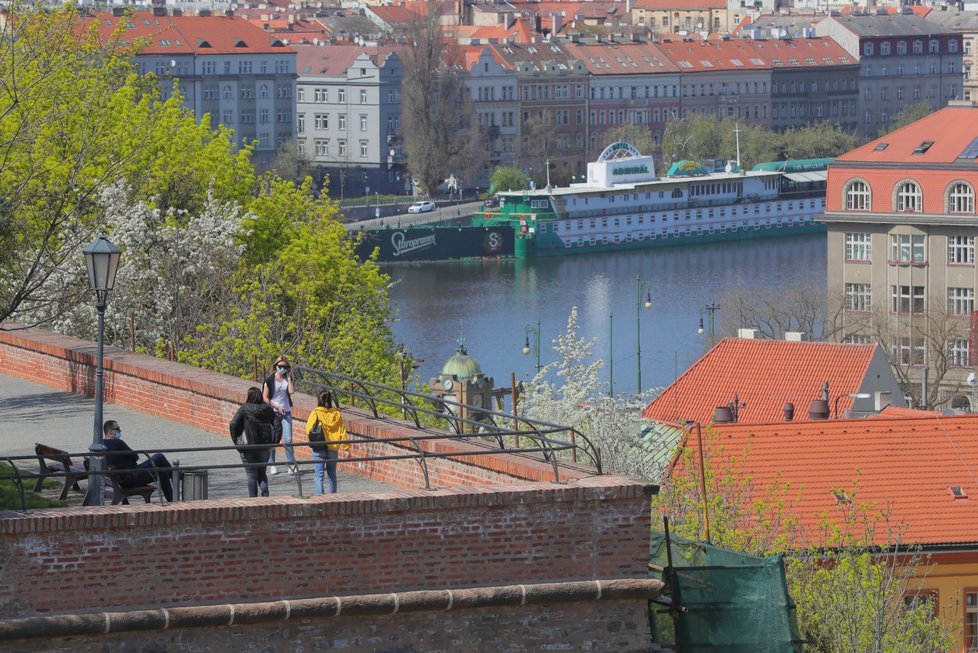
(117, 433)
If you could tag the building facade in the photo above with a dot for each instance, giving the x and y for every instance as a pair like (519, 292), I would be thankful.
(964, 23)
(224, 67)
(349, 118)
(901, 252)
(903, 60)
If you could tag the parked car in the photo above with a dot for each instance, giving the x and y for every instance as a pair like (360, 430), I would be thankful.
(421, 207)
(491, 203)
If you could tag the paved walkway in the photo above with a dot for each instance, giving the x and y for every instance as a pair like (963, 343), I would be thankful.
(31, 412)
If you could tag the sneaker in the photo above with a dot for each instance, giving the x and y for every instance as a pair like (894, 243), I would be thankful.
(272, 471)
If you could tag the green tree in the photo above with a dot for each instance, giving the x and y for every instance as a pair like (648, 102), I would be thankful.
(908, 114)
(508, 178)
(638, 135)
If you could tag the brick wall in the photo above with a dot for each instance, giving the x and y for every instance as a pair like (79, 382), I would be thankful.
(491, 521)
(209, 400)
(241, 550)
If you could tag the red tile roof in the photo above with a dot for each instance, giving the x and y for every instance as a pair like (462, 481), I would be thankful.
(950, 130)
(679, 5)
(620, 58)
(803, 53)
(335, 60)
(765, 375)
(715, 54)
(903, 465)
(186, 34)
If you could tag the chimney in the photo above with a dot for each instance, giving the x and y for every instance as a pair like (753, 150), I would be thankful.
(789, 411)
(159, 11)
(747, 334)
(819, 408)
(795, 336)
(723, 415)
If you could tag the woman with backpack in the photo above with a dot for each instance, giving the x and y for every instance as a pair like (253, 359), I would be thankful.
(254, 424)
(326, 433)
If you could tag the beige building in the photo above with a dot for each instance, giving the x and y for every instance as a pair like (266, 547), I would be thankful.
(685, 17)
(901, 252)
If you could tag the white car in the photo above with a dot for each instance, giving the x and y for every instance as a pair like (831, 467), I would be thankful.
(421, 207)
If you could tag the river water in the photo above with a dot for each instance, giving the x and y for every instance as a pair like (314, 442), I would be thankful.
(494, 302)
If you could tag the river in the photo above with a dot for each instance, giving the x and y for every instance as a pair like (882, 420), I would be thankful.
(495, 301)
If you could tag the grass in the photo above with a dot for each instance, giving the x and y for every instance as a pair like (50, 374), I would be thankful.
(10, 494)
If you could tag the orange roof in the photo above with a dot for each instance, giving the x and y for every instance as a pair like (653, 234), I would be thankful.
(905, 465)
(949, 131)
(185, 34)
(679, 5)
(764, 375)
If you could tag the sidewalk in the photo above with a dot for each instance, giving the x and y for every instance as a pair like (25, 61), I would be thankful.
(31, 412)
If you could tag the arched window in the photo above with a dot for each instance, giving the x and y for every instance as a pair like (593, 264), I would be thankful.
(909, 198)
(960, 198)
(227, 92)
(263, 92)
(858, 196)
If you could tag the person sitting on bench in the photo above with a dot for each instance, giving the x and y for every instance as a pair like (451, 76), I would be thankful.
(123, 459)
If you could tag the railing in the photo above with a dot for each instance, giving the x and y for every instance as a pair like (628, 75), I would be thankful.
(548, 448)
(426, 412)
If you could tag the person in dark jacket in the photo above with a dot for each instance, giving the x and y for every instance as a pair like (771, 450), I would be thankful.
(133, 473)
(255, 424)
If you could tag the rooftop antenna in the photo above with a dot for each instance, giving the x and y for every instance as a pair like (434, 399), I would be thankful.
(737, 136)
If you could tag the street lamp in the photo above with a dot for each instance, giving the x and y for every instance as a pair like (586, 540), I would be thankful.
(639, 285)
(712, 309)
(853, 395)
(611, 355)
(535, 330)
(102, 261)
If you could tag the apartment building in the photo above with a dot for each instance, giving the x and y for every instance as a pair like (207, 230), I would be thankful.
(964, 23)
(901, 252)
(680, 16)
(225, 67)
(812, 80)
(348, 108)
(629, 83)
(903, 59)
(492, 84)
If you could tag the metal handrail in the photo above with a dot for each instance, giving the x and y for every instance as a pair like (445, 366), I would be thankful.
(413, 451)
(486, 425)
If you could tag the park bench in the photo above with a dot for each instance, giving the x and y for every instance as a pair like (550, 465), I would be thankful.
(57, 462)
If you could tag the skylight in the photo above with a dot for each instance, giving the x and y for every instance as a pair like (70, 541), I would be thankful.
(923, 147)
(958, 492)
(970, 152)
(737, 62)
(881, 147)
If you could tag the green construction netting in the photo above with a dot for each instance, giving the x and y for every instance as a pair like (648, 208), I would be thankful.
(734, 602)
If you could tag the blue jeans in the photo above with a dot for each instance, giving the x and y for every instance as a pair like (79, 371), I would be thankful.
(287, 439)
(324, 458)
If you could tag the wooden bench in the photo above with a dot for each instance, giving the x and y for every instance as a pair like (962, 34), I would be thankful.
(57, 462)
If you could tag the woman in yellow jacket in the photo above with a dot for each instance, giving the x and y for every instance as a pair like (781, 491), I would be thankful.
(325, 429)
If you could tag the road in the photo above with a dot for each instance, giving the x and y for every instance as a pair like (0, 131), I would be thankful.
(445, 211)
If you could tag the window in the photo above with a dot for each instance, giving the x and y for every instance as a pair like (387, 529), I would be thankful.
(957, 353)
(961, 249)
(857, 196)
(885, 48)
(341, 121)
(858, 297)
(302, 123)
(907, 299)
(933, 47)
(342, 145)
(901, 47)
(960, 199)
(908, 197)
(960, 301)
(971, 620)
(322, 147)
(868, 49)
(341, 95)
(918, 47)
(363, 122)
(909, 351)
(858, 247)
(363, 149)
(907, 248)
(363, 96)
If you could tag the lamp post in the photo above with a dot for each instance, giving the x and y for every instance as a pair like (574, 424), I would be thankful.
(102, 261)
(535, 330)
(853, 395)
(639, 286)
(712, 309)
(611, 354)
